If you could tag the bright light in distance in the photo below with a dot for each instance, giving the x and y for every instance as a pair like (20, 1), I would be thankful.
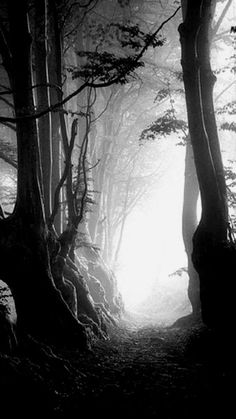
(152, 247)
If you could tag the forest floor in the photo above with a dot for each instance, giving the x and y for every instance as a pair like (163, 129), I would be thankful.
(141, 371)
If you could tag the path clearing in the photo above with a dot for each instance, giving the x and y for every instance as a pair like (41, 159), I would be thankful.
(141, 372)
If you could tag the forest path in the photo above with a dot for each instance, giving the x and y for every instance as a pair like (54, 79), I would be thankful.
(142, 371)
(155, 372)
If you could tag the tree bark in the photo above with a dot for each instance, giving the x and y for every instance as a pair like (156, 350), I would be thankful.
(42, 96)
(207, 82)
(66, 277)
(213, 256)
(40, 308)
(210, 196)
(53, 66)
(189, 225)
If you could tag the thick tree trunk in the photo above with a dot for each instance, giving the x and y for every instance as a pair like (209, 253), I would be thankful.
(40, 308)
(210, 195)
(212, 255)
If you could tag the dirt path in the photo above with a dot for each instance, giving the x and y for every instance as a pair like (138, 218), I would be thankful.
(154, 372)
(146, 372)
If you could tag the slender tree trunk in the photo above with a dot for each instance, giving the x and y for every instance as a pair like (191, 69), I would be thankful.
(207, 81)
(122, 224)
(42, 94)
(55, 118)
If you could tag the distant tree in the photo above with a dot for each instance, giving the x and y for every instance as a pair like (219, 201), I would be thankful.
(170, 125)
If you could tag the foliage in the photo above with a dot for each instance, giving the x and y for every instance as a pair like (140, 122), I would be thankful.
(164, 126)
(230, 177)
(119, 35)
(117, 52)
(5, 293)
(165, 93)
(229, 108)
(229, 126)
(105, 67)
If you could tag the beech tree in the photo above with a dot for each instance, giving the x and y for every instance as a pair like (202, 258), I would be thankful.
(24, 233)
(213, 252)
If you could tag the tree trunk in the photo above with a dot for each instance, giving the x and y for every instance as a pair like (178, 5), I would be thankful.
(210, 195)
(122, 223)
(40, 308)
(207, 82)
(213, 257)
(66, 278)
(42, 96)
(189, 224)
(53, 66)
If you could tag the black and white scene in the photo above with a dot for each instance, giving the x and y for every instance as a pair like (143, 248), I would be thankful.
(117, 208)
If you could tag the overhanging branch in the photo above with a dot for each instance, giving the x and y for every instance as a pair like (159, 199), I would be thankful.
(113, 80)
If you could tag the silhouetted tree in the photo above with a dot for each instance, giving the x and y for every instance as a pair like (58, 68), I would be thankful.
(213, 252)
(40, 307)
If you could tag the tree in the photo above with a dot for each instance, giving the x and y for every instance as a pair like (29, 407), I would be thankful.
(213, 253)
(43, 269)
(189, 224)
(42, 96)
(24, 234)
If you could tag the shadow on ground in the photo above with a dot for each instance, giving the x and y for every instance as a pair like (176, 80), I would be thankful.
(146, 371)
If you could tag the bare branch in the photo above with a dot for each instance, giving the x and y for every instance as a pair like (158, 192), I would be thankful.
(218, 23)
(52, 108)
(82, 163)
(65, 173)
(2, 214)
(7, 102)
(104, 110)
(9, 125)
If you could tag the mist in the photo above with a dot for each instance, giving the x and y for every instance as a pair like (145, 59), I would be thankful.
(117, 208)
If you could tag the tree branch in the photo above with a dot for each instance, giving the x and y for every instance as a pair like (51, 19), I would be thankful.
(65, 173)
(218, 23)
(9, 125)
(110, 82)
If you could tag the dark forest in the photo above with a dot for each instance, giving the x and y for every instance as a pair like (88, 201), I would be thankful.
(117, 208)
